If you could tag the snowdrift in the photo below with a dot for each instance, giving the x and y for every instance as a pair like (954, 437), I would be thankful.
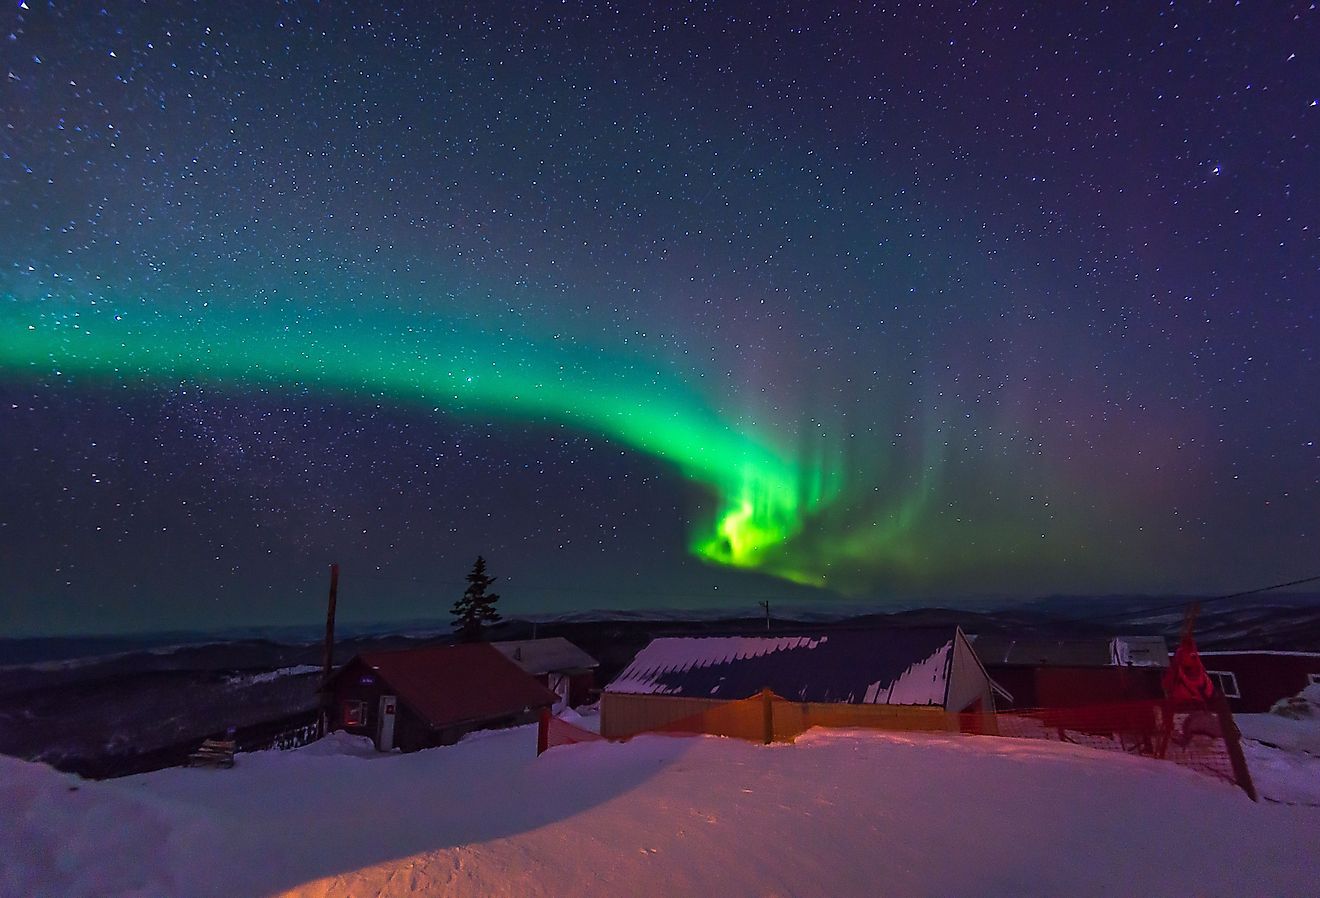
(838, 813)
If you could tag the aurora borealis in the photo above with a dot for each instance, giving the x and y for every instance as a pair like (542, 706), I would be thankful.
(762, 495)
(684, 306)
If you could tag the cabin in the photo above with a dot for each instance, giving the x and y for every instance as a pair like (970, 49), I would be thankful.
(1043, 672)
(557, 664)
(924, 671)
(424, 697)
(1254, 680)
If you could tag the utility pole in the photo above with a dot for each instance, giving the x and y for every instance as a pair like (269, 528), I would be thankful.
(766, 606)
(328, 659)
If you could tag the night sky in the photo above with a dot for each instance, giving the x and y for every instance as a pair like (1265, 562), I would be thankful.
(653, 307)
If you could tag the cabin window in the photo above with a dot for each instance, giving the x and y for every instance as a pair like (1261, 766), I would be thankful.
(355, 714)
(1226, 682)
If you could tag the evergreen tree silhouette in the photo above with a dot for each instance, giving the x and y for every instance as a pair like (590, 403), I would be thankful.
(476, 608)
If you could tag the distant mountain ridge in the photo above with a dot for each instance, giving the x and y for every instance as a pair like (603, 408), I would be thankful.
(1271, 620)
(109, 706)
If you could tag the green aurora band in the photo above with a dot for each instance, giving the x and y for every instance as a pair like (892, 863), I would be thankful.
(766, 493)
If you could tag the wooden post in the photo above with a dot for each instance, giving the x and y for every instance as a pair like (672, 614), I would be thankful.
(328, 658)
(767, 698)
(543, 732)
(1233, 743)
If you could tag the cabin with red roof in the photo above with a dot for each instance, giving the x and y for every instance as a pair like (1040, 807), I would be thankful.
(424, 697)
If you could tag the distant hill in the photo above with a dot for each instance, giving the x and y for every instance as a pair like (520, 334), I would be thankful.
(122, 704)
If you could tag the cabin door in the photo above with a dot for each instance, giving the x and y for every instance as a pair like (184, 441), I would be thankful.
(385, 723)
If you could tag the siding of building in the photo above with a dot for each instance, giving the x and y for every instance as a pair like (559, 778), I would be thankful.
(792, 717)
(623, 715)
(1263, 677)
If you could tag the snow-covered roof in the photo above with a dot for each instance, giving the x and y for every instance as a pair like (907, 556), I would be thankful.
(1139, 651)
(896, 667)
(1099, 651)
(541, 656)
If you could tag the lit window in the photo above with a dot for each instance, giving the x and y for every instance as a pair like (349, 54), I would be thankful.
(355, 714)
(1226, 682)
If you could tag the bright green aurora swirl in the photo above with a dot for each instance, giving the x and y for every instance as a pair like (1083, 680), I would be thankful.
(766, 491)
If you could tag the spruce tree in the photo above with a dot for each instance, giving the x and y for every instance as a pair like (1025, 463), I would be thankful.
(477, 607)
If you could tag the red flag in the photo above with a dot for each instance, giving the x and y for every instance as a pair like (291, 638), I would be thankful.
(1186, 681)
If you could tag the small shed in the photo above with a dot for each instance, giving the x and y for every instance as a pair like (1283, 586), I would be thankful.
(419, 698)
(1253, 680)
(926, 669)
(1047, 672)
(557, 664)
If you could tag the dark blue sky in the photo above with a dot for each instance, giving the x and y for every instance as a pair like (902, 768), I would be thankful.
(973, 300)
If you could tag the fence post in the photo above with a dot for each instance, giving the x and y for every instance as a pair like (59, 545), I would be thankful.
(543, 732)
(766, 699)
(1233, 742)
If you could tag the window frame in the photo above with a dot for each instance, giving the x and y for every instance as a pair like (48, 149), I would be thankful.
(346, 712)
(1222, 679)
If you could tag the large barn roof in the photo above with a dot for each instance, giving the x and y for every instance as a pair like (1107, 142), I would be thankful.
(452, 684)
(895, 667)
(541, 656)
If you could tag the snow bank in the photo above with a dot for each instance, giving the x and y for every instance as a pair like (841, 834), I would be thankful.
(1292, 725)
(1302, 706)
(343, 744)
(61, 836)
(839, 813)
(1282, 732)
(1283, 776)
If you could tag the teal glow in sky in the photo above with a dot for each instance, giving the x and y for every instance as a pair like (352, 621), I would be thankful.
(651, 307)
(762, 493)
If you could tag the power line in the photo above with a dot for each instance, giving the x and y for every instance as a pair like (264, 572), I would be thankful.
(1249, 592)
(1185, 603)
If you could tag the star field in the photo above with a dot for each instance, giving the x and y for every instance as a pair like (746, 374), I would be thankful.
(676, 306)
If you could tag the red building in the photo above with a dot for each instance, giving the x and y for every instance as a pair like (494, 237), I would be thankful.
(1044, 672)
(1253, 681)
(419, 698)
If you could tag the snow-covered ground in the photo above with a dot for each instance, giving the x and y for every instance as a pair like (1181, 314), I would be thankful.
(1283, 748)
(838, 813)
(270, 676)
(1297, 736)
